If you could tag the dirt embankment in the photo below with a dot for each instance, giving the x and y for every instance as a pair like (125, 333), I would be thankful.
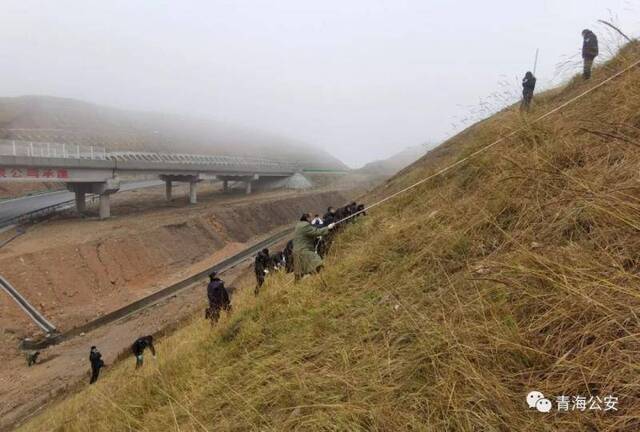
(74, 271)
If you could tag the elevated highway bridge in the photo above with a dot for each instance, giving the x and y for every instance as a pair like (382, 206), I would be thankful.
(92, 170)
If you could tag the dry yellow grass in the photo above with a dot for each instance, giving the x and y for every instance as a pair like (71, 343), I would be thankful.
(441, 309)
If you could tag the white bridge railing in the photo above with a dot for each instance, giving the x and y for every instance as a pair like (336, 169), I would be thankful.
(75, 151)
(51, 150)
(185, 158)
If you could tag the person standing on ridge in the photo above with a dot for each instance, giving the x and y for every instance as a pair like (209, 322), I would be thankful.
(589, 51)
(139, 346)
(218, 297)
(528, 86)
(305, 259)
(95, 358)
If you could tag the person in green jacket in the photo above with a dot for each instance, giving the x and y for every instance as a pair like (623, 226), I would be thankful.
(305, 258)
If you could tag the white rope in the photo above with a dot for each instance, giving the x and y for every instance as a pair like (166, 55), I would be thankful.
(488, 146)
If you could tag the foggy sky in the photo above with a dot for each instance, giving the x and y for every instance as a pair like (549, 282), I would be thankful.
(362, 79)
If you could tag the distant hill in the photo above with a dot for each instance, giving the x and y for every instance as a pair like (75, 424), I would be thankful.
(43, 118)
(390, 166)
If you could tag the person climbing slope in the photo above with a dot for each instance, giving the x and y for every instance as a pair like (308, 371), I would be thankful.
(218, 297)
(261, 267)
(305, 259)
(95, 358)
(589, 51)
(528, 86)
(139, 346)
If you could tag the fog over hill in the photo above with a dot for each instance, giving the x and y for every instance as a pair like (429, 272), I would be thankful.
(390, 166)
(43, 118)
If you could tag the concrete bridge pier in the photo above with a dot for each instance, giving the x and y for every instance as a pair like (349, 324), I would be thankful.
(81, 202)
(193, 192)
(248, 181)
(105, 206)
(184, 178)
(167, 189)
(103, 189)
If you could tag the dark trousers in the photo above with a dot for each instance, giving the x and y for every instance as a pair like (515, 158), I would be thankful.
(527, 97)
(259, 281)
(588, 64)
(95, 371)
(212, 313)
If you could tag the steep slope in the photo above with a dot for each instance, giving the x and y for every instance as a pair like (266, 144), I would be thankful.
(440, 310)
(41, 118)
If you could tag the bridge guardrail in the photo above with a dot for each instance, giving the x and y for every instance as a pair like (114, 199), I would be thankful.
(43, 212)
(51, 150)
(186, 158)
(84, 152)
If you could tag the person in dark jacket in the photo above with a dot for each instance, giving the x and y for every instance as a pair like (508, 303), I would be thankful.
(351, 209)
(261, 266)
(589, 51)
(139, 346)
(528, 86)
(218, 297)
(329, 217)
(278, 261)
(288, 256)
(95, 358)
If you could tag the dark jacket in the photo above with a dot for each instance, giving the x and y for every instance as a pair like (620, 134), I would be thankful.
(96, 359)
(262, 263)
(329, 218)
(217, 293)
(528, 83)
(590, 45)
(278, 260)
(141, 344)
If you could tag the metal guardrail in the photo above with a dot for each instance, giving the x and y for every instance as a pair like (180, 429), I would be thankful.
(45, 212)
(32, 312)
(154, 298)
(82, 152)
(186, 158)
(51, 150)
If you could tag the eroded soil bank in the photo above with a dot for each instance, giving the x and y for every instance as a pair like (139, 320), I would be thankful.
(75, 270)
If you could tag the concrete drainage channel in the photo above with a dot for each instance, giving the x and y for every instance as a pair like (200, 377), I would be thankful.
(54, 338)
(35, 316)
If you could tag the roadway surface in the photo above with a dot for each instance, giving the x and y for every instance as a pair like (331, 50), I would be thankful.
(12, 208)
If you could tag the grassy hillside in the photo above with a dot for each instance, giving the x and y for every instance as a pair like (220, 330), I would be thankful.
(40, 118)
(439, 311)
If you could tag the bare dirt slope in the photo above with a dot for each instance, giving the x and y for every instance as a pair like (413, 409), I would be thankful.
(65, 367)
(75, 270)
